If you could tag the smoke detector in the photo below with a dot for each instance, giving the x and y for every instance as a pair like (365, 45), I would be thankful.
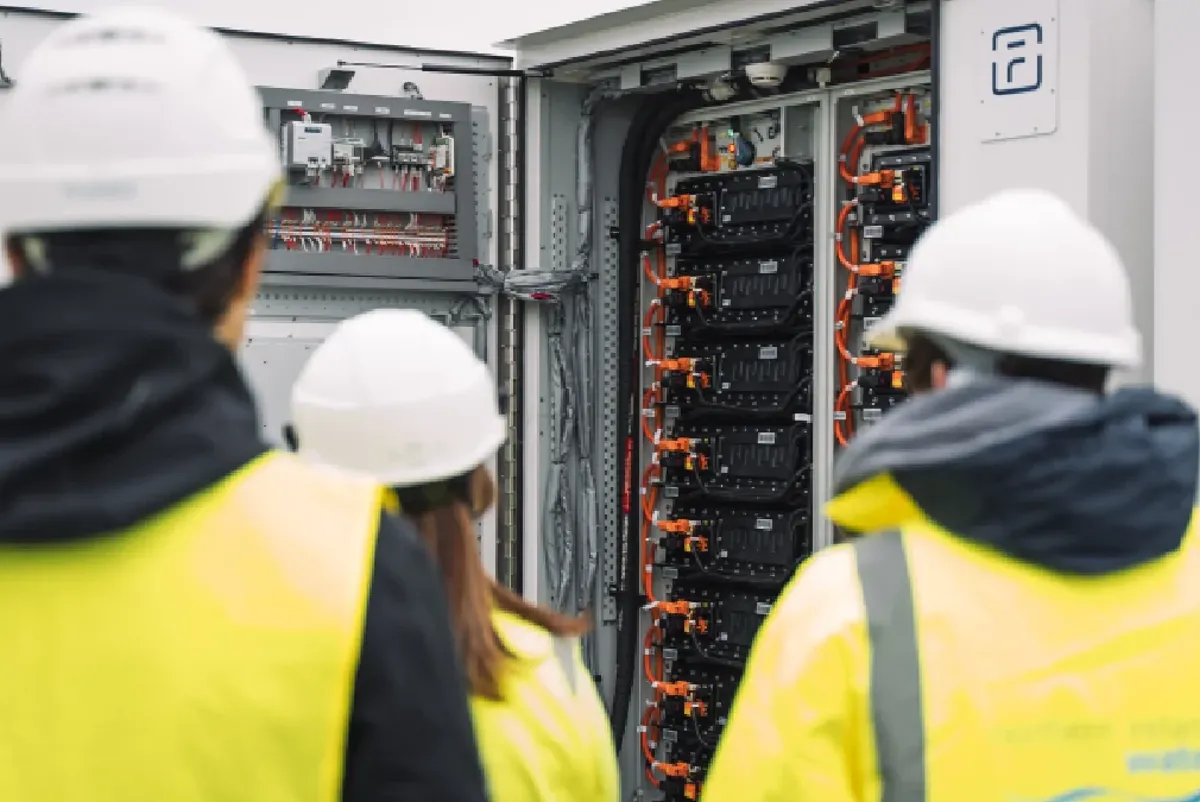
(766, 74)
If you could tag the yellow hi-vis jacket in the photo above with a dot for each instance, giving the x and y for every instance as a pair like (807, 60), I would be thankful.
(548, 739)
(243, 619)
(1020, 621)
(874, 679)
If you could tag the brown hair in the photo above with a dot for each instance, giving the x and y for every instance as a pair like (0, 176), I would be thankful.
(449, 532)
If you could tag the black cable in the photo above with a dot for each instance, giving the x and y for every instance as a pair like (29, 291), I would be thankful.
(700, 736)
(757, 412)
(745, 495)
(723, 576)
(649, 123)
(714, 659)
(629, 220)
(796, 225)
(782, 320)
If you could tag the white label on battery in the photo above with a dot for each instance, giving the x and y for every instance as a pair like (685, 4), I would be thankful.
(329, 105)
(768, 182)
(295, 104)
(764, 524)
(872, 232)
(382, 110)
(762, 608)
(349, 108)
(766, 438)
(768, 352)
(766, 268)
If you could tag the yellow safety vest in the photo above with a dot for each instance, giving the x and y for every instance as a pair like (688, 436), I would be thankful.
(549, 739)
(915, 666)
(207, 655)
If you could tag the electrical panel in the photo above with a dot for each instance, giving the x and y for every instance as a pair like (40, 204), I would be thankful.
(734, 373)
(375, 186)
(887, 180)
(727, 341)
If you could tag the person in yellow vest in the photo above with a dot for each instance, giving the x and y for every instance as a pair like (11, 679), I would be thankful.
(395, 395)
(1020, 618)
(186, 614)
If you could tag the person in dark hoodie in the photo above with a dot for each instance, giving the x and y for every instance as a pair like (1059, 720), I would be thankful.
(1019, 618)
(185, 614)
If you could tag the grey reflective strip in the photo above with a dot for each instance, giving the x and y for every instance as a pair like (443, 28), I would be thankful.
(564, 650)
(895, 666)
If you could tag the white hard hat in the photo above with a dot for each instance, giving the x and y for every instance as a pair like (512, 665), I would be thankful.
(394, 394)
(1017, 273)
(133, 117)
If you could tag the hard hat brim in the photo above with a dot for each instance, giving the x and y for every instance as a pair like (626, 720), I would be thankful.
(435, 471)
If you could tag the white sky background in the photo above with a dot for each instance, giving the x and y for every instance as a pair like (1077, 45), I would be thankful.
(471, 25)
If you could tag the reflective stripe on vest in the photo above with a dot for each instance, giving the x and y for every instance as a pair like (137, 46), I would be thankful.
(896, 710)
(564, 650)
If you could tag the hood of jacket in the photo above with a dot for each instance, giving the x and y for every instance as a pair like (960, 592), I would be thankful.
(1065, 479)
(116, 403)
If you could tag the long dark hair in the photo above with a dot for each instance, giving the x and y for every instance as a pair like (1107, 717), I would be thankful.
(449, 532)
